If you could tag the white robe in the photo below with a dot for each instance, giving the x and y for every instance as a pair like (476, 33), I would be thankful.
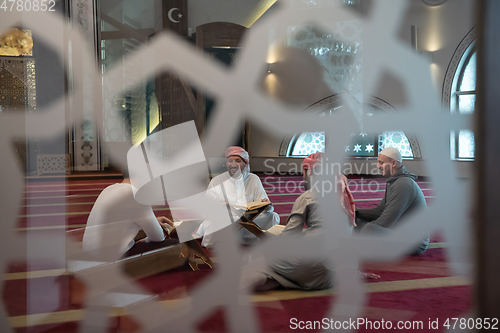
(297, 272)
(247, 188)
(115, 220)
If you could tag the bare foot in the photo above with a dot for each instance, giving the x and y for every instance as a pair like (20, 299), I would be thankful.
(370, 276)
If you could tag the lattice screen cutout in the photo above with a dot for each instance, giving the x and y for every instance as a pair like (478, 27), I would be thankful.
(55, 163)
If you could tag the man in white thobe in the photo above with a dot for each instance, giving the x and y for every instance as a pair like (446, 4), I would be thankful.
(237, 186)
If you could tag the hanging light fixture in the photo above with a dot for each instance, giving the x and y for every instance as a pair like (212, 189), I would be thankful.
(434, 2)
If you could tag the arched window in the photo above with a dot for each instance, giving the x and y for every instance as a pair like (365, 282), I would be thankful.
(308, 143)
(398, 140)
(459, 94)
(362, 144)
(462, 100)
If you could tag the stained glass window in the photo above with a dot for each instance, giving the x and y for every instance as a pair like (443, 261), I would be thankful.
(395, 139)
(463, 101)
(362, 144)
(308, 143)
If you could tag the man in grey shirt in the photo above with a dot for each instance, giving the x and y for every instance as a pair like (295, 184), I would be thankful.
(402, 197)
(297, 272)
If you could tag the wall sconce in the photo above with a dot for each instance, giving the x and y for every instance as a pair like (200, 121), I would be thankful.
(269, 68)
(414, 44)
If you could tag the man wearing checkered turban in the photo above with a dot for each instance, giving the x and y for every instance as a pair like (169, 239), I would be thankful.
(238, 186)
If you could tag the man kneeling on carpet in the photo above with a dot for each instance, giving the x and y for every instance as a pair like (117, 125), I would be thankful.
(237, 186)
(306, 273)
(402, 197)
(115, 220)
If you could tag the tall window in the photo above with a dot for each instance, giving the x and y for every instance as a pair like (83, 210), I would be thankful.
(463, 98)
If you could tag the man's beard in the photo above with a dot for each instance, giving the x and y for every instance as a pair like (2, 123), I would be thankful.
(236, 174)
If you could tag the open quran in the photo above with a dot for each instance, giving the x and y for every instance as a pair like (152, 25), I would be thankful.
(252, 205)
(169, 229)
(275, 230)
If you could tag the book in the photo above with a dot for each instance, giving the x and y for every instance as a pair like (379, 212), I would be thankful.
(169, 229)
(252, 205)
(274, 231)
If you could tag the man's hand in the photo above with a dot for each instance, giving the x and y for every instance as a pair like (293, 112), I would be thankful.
(265, 200)
(142, 240)
(163, 220)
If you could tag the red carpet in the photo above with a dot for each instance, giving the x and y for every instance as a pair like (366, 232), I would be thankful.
(56, 206)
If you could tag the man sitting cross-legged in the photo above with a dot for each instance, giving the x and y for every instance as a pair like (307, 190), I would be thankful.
(115, 220)
(402, 197)
(237, 186)
(306, 273)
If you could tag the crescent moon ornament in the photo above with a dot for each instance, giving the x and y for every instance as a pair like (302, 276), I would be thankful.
(170, 12)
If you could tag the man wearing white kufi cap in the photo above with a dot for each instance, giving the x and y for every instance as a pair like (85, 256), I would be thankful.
(402, 197)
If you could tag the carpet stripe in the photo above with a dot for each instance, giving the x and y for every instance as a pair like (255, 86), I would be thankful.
(34, 274)
(91, 203)
(437, 245)
(352, 182)
(417, 267)
(60, 204)
(358, 200)
(98, 189)
(51, 227)
(180, 208)
(272, 296)
(70, 184)
(65, 190)
(46, 318)
(423, 189)
(64, 196)
(375, 287)
(263, 179)
(389, 286)
(83, 203)
(431, 268)
(95, 195)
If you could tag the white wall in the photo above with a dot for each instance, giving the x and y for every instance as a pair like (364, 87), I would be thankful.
(440, 30)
